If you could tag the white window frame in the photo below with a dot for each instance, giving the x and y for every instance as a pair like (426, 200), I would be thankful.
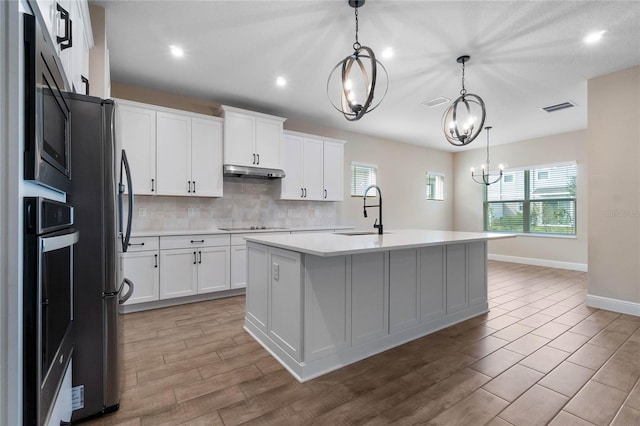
(354, 190)
(436, 175)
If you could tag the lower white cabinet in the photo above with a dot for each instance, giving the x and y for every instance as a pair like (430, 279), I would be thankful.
(194, 264)
(141, 265)
(239, 266)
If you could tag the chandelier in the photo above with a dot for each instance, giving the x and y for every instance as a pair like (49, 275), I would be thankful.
(463, 120)
(487, 177)
(356, 84)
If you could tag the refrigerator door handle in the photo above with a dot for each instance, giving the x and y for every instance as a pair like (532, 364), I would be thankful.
(124, 164)
(127, 295)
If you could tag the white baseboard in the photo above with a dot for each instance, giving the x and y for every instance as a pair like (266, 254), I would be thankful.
(615, 305)
(539, 262)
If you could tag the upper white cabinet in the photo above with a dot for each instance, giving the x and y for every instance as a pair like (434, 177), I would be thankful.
(171, 152)
(251, 139)
(189, 155)
(136, 131)
(313, 167)
(69, 26)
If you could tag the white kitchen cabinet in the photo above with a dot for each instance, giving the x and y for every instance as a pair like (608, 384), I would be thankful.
(456, 278)
(251, 139)
(369, 297)
(432, 283)
(404, 290)
(206, 157)
(213, 269)
(189, 155)
(71, 41)
(136, 131)
(141, 264)
(194, 264)
(239, 266)
(179, 273)
(313, 167)
(333, 173)
(171, 152)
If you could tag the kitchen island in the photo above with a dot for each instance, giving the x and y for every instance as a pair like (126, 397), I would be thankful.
(318, 302)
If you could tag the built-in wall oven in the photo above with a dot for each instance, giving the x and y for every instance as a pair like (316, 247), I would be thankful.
(47, 154)
(49, 238)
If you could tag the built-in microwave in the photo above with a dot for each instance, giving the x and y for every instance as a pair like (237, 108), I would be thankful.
(47, 152)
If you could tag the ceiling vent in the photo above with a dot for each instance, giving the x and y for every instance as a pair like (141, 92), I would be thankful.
(436, 102)
(558, 107)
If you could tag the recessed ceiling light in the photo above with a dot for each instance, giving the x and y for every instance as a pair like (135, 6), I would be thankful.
(387, 53)
(176, 51)
(281, 82)
(594, 37)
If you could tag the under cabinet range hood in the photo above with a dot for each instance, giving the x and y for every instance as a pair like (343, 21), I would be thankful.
(252, 172)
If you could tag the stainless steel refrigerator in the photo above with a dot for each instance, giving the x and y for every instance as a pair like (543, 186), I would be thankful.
(98, 168)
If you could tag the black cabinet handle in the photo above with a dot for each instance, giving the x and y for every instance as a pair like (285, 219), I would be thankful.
(199, 257)
(258, 155)
(195, 260)
(254, 159)
(136, 244)
(85, 80)
(189, 187)
(156, 260)
(325, 193)
(66, 41)
(305, 193)
(194, 187)
(301, 192)
(153, 181)
(197, 241)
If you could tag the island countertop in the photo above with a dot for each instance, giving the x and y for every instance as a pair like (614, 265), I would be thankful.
(354, 242)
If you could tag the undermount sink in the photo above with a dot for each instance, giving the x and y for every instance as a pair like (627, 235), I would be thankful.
(354, 233)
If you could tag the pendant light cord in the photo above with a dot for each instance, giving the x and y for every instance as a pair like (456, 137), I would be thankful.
(357, 44)
(463, 91)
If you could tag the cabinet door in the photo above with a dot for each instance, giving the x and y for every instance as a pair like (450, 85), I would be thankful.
(432, 283)
(312, 169)
(79, 51)
(143, 269)
(213, 269)
(238, 266)
(268, 139)
(285, 310)
(291, 188)
(257, 285)
(456, 278)
(370, 297)
(59, 29)
(48, 11)
(136, 130)
(404, 289)
(174, 154)
(206, 157)
(333, 171)
(178, 275)
(239, 138)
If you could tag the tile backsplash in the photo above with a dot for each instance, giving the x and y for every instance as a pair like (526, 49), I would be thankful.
(246, 202)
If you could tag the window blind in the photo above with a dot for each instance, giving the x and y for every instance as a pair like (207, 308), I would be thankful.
(363, 175)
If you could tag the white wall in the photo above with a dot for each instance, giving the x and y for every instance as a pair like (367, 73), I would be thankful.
(556, 251)
(614, 191)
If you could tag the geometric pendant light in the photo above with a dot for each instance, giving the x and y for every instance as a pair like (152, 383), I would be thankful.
(462, 122)
(351, 91)
(487, 177)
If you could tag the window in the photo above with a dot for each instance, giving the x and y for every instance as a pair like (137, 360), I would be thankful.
(508, 178)
(540, 200)
(435, 186)
(363, 175)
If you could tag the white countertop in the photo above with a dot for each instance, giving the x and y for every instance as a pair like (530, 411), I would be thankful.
(244, 231)
(337, 244)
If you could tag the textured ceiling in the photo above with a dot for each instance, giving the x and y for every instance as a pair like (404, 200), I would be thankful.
(524, 55)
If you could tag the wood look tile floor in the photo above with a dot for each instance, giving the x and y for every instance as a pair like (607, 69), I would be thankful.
(540, 356)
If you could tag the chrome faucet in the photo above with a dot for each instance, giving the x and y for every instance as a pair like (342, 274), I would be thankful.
(379, 205)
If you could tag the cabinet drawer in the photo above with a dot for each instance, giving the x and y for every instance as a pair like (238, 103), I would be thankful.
(193, 241)
(143, 244)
